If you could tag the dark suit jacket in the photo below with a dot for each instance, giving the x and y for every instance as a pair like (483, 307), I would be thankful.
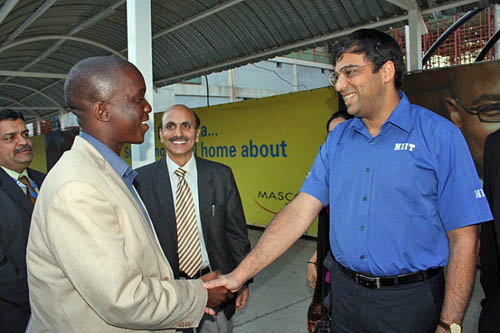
(15, 211)
(490, 238)
(224, 231)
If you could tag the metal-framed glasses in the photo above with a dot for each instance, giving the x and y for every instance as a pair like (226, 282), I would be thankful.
(345, 73)
(487, 113)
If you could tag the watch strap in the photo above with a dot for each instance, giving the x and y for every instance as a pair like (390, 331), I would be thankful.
(453, 327)
(444, 325)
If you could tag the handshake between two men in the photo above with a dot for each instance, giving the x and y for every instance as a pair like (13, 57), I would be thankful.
(217, 295)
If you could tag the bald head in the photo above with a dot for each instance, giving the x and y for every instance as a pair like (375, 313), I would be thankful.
(182, 107)
(91, 80)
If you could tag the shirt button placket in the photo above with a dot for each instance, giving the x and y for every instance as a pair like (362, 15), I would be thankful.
(365, 203)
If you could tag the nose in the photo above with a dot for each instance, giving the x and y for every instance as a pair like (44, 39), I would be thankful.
(177, 131)
(340, 84)
(147, 106)
(23, 141)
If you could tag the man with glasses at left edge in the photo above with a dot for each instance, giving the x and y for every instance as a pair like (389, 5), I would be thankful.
(18, 190)
(405, 202)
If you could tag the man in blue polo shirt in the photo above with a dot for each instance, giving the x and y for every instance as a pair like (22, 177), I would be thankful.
(405, 201)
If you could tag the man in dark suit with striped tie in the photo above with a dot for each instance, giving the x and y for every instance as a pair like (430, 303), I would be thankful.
(18, 190)
(196, 211)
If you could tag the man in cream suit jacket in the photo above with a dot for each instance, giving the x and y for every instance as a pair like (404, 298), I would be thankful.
(94, 261)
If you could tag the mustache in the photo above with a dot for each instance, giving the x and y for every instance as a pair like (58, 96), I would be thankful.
(28, 147)
(176, 138)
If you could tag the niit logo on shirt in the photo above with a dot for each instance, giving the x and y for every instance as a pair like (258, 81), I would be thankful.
(479, 193)
(404, 146)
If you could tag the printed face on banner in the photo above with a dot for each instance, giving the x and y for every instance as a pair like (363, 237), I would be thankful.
(474, 105)
(179, 134)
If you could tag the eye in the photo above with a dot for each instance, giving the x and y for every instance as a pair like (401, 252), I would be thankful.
(169, 126)
(349, 72)
(187, 126)
(488, 112)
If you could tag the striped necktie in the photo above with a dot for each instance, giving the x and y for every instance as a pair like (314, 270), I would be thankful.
(30, 191)
(188, 240)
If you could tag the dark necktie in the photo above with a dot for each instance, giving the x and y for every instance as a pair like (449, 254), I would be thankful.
(30, 191)
(188, 240)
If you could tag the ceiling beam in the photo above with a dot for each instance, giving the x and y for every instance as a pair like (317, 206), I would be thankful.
(24, 107)
(7, 8)
(197, 17)
(193, 19)
(33, 74)
(39, 12)
(50, 85)
(30, 108)
(449, 5)
(404, 4)
(61, 38)
(22, 86)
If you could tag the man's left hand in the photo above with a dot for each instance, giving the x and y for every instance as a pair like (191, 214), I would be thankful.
(241, 300)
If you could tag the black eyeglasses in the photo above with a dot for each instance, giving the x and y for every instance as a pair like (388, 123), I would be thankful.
(346, 73)
(487, 113)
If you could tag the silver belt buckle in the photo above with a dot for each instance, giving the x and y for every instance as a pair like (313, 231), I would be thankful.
(372, 278)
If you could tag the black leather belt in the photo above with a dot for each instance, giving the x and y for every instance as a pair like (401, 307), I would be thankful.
(197, 275)
(378, 282)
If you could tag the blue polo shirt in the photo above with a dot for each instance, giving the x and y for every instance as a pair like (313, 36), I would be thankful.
(393, 197)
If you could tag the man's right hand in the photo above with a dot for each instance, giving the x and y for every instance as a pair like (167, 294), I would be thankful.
(218, 295)
(228, 281)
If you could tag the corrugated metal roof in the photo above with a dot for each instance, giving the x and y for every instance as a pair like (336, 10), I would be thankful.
(190, 37)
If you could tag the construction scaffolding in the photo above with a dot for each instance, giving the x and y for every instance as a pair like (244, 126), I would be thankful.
(462, 47)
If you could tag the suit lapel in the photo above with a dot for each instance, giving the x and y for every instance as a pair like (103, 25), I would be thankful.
(9, 186)
(206, 194)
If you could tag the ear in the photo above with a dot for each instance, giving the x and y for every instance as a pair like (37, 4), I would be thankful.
(388, 71)
(101, 112)
(197, 135)
(453, 114)
(161, 134)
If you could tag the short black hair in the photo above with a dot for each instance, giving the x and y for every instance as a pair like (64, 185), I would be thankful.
(377, 46)
(11, 115)
(338, 114)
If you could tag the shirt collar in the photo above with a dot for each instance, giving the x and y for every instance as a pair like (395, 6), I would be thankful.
(15, 174)
(189, 167)
(400, 117)
(117, 163)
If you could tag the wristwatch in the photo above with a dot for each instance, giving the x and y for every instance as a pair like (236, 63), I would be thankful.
(453, 327)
